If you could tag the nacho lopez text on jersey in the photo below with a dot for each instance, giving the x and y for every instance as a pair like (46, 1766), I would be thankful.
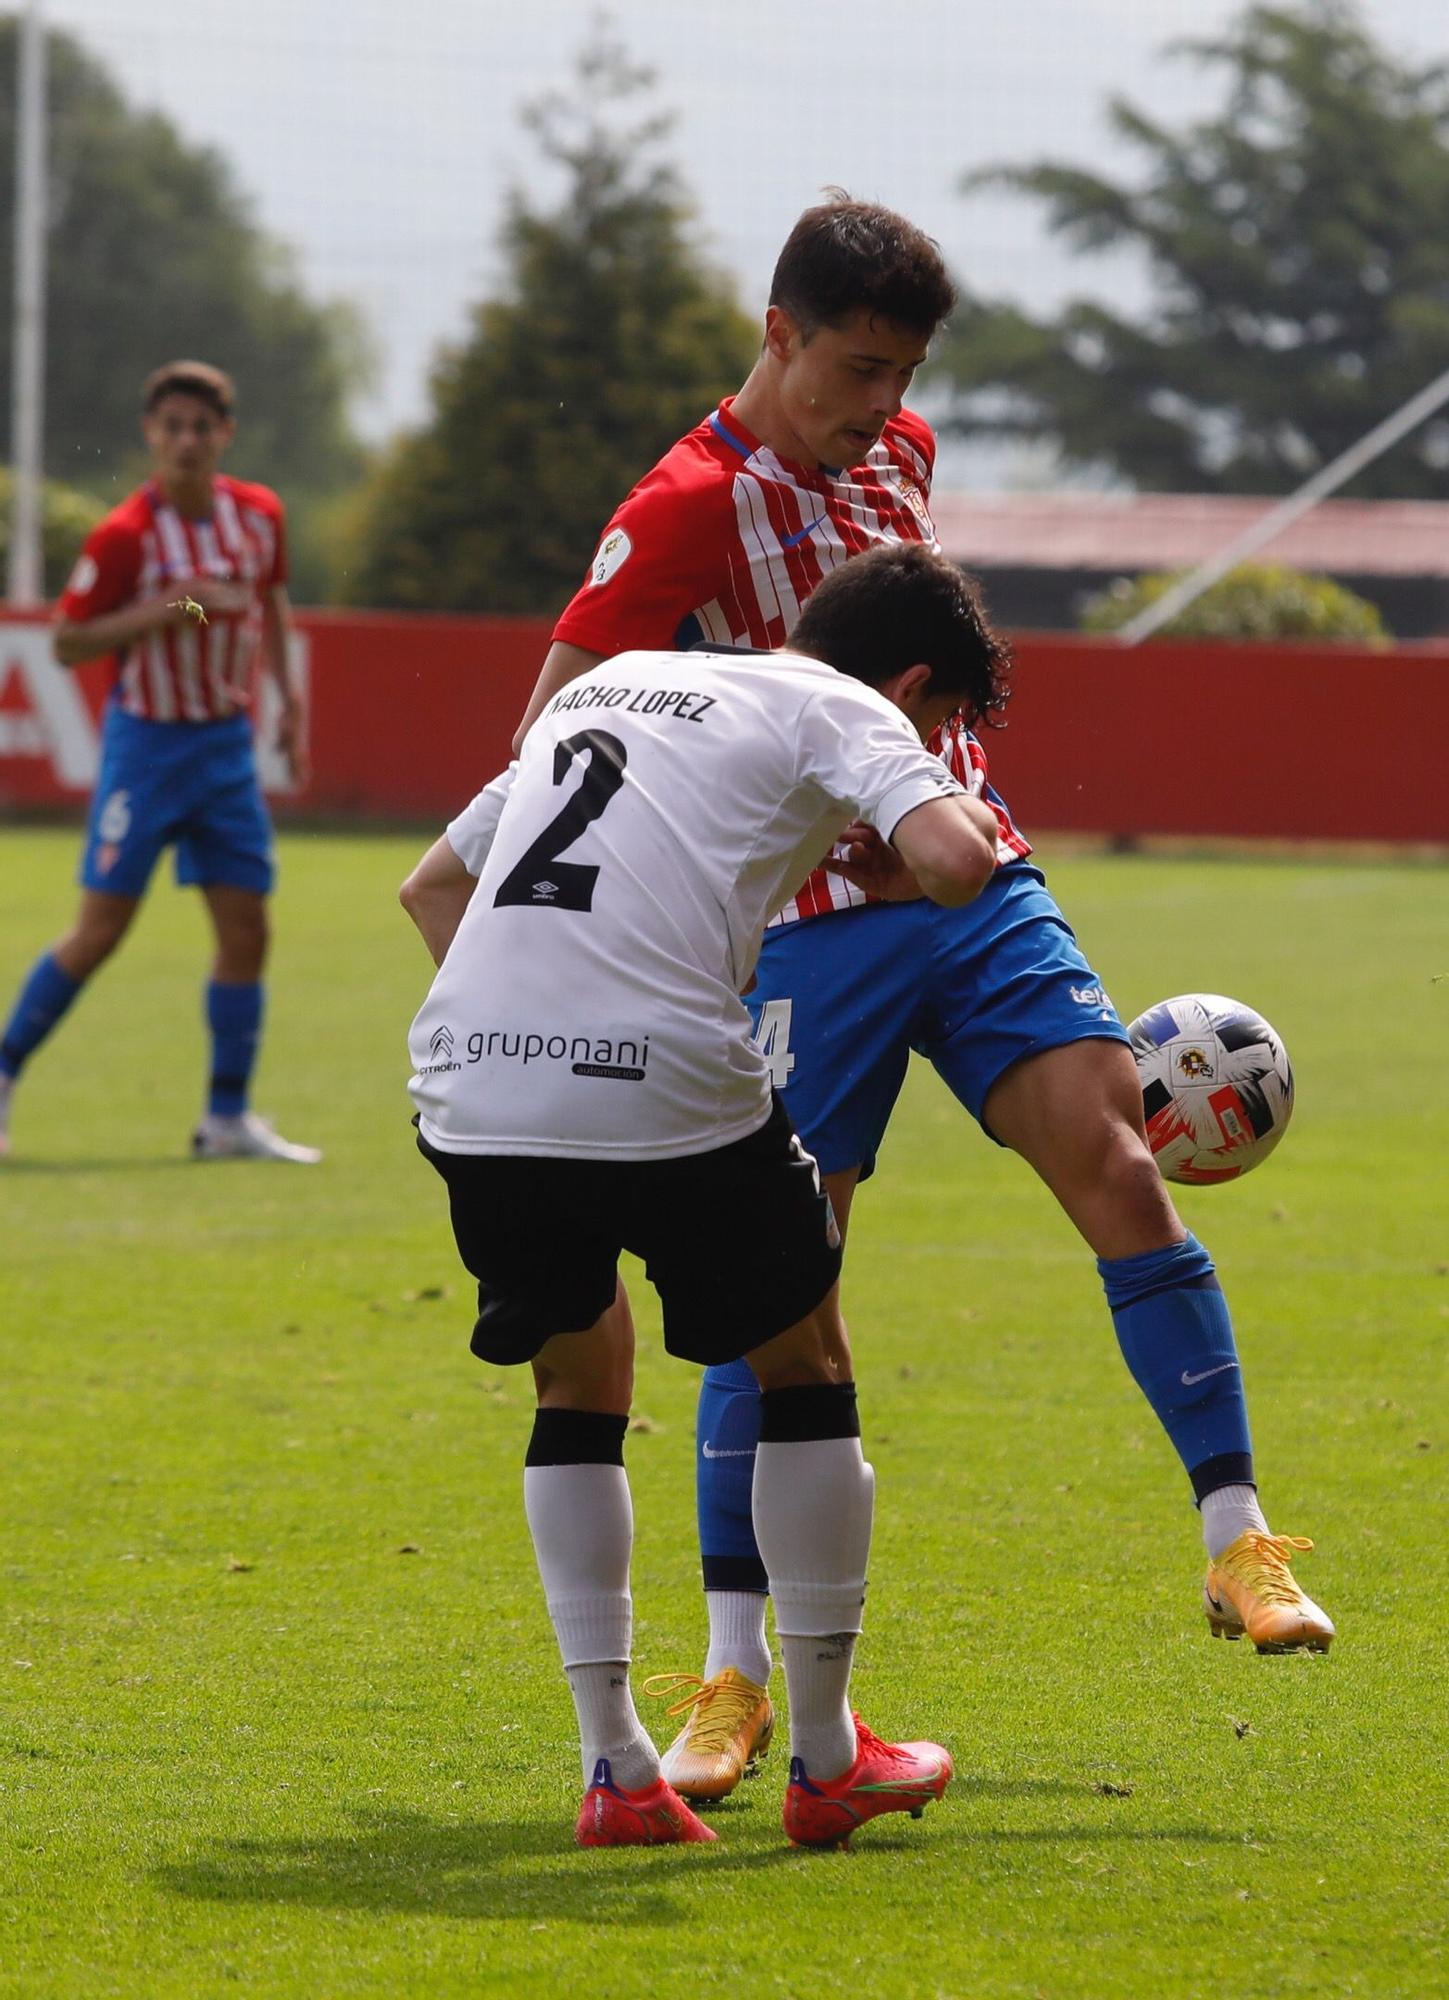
(680, 704)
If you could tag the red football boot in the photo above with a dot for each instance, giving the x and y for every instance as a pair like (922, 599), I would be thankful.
(885, 1777)
(655, 1817)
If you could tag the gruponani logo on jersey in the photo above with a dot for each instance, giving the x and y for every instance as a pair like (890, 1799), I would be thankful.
(614, 551)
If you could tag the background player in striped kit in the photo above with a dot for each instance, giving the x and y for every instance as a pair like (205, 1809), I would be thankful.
(814, 461)
(184, 586)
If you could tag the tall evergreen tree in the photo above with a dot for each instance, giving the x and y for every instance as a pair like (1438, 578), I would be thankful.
(152, 255)
(612, 335)
(1300, 267)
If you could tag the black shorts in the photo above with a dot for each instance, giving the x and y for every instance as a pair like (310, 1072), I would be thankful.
(739, 1243)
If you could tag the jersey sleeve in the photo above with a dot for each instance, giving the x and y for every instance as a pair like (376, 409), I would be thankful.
(280, 566)
(917, 433)
(105, 575)
(470, 835)
(864, 755)
(665, 552)
(266, 516)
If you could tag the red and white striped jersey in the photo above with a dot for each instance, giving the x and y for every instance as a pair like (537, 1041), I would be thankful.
(144, 548)
(723, 542)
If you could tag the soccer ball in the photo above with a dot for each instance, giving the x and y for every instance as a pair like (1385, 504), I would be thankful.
(1217, 1087)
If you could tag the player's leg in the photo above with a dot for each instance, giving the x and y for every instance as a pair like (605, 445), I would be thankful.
(127, 826)
(225, 849)
(814, 1502)
(774, 1246)
(53, 982)
(1028, 1040)
(509, 1219)
(1074, 1113)
(581, 1520)
(829, 1005)
(576, 1495)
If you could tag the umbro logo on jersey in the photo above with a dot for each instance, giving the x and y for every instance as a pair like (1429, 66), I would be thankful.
(544, 892)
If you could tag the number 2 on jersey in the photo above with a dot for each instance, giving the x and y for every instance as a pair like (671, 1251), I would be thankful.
(539, 878)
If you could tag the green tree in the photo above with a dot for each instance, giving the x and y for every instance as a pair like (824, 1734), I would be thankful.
(1300, 266)
(1253, 601)
(611, 337)
(152, 254)
(67, 517)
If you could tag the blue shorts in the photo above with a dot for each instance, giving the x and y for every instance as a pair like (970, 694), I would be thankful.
(841, 1002)
(191, 785)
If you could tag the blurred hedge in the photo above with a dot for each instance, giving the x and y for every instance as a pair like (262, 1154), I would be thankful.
(1253, 601)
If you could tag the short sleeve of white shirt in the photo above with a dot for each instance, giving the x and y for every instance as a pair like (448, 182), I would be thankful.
(470, 835)
(860, 749)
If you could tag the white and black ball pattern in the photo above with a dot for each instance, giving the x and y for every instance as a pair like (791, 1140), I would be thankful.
(1217, 1087)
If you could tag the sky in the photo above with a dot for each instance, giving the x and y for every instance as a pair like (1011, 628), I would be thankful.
(382, 149)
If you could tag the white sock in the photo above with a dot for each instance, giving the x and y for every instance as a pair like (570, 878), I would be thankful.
(609, 1725)
(582, 1523)
(813, 1504)
(737, 1634)
(1228, 1512)
(817, 1673)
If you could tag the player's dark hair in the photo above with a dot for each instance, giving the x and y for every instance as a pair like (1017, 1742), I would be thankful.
(900, 606)
(189, 378)
(844, 256)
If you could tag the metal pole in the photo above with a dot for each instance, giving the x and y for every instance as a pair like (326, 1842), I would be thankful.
(1325, 481)
(25, 584)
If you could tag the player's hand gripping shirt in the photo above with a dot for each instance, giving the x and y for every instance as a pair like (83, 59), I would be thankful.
(723, 542)
(188, 672)
(662, 807)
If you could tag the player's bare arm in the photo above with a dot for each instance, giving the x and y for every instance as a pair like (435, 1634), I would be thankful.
(948, 846)
(873, 865)
(562, 664)
(435, 896)
(276, 652)
(75, 640)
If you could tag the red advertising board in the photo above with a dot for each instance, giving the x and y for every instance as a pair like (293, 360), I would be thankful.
(410, 715)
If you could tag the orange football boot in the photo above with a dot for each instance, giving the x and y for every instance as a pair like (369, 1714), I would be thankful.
(729, 1725)
(1250, 1588)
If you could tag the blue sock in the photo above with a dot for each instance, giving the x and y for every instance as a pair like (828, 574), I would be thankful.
(47, 992)
(234, 1016)
(1177, 1338)
(726, 1433)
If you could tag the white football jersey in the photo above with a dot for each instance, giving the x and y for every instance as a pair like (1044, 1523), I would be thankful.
(663, 807)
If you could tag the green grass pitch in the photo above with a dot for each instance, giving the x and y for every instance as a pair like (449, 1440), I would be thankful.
(279, 1709)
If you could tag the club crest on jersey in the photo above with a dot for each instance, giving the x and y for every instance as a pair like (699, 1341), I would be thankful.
(915, 499)
(614, 551)
(83, 576)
